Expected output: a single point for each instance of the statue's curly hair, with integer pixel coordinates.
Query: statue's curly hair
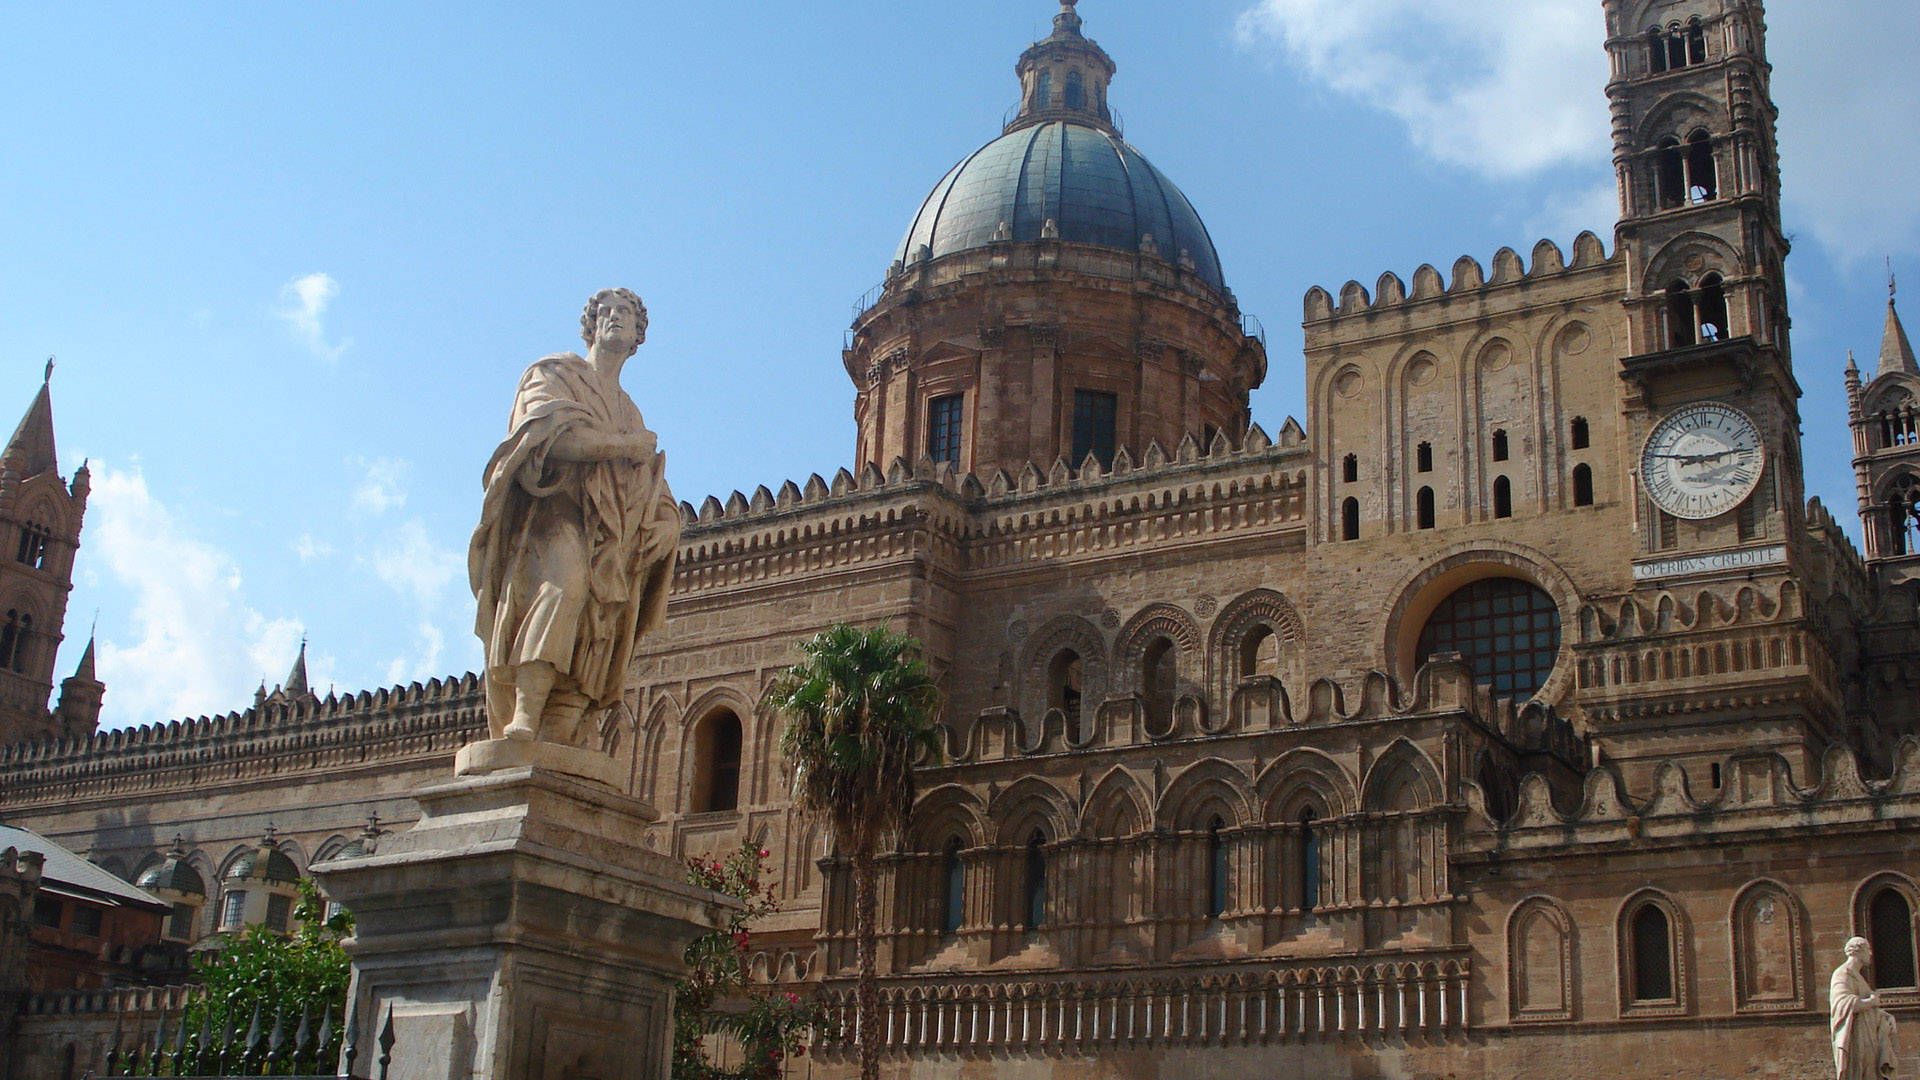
(590, 317)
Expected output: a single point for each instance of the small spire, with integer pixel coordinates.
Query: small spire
(85, 671)
(31, 448)
(1896, 349)
(297, 678)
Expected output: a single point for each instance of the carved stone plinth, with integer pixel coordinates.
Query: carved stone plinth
(520, 932)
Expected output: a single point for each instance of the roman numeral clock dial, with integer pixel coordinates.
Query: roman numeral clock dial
(1703, 461)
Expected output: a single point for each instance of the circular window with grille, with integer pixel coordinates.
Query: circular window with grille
(1505, 629)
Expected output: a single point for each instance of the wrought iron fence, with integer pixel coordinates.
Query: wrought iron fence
(233, 1045)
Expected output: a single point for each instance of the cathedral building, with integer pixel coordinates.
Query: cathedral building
(1518, 714)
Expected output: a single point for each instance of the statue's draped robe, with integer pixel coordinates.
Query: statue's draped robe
(571, 561)
(1862, 1034)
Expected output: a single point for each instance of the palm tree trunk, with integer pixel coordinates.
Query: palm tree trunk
(867, 999)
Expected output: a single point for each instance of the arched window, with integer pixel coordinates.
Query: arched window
(1036, 883)
(1670, 174)
(1676, 46)
(1696, 42)
(1216, 870)
(717, 757)
(1501, 450)
(1505, 629)
(1064, 677)
(1650, 946)
(33, 545)
(1260, 653)
(1902, 514)
(1583, 485)
(1076, 90)
(1424, 508)
(954, 873)
(1712, 308)
(1502, 497)
(1309, 868)
(1350, 520)
(1423, 456)
(1703, 176)
(1350, 468)
(1890, 929)
(1657, 49)
(944, 428)
(1159, 669)
(1043, 92)
(1582, 433)
(1680, 324)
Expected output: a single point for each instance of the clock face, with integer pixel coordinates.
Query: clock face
(1703, 461)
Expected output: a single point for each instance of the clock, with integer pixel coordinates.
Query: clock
(1703, 461)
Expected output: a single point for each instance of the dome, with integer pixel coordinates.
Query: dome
(265, 862)
(1089, 182)
(174, 875)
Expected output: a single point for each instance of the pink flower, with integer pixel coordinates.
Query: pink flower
(763, 853)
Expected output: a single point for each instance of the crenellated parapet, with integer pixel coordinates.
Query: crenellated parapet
(1757, 797)
(1470, 281)
(999, 519)
(281, 736)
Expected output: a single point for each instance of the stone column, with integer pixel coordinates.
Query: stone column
(19, 881)
(519, 931)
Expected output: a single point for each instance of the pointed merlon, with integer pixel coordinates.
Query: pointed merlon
(1896, 350)
(297, 678)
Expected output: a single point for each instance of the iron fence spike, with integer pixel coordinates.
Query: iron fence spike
(350, 1038)
(277, 1038)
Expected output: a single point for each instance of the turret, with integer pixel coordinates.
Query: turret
(81, 693)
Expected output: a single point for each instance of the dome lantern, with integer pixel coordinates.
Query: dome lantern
(1065, 77)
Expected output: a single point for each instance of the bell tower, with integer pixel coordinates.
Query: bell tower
(40, 518)
(1884, 409)
(1710, 359)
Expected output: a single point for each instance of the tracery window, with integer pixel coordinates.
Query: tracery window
(33, 546)
(717, 759)
(1890, 929)
(1095, 415)
(1903, 517)
(1064, 687)
(1160, 672)
(943, 428)
(1309, 868)
(1677, 46)
(1216, 870)
(1036, 882)
(954, 874)
(1506, 630)
(1650, 949)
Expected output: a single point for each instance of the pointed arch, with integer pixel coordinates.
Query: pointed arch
(1403, 778)
(1301, 777)
(1030, 803)
(948, 812)
(1540, 962)
(1117, 806)
(1769, 962)
(1207, 787)
(1653, 944)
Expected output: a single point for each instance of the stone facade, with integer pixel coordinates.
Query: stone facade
(1415, 741)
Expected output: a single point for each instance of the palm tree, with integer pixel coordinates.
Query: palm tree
(859, 708)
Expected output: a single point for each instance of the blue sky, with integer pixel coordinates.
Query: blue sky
(293, 258)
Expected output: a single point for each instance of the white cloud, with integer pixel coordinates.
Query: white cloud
(303, 305)
(1508, 88)
(198, 647)
(1567, 214)
(410, 563)
(425, 664)
(1848, 89)
(1502, 87)
(311, 548)
(382, 486)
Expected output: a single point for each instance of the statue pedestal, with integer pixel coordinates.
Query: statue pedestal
(519, 932)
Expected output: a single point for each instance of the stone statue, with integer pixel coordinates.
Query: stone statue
(1863, 1033)
(574, 552)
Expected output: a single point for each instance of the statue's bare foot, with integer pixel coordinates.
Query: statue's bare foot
(520, 730)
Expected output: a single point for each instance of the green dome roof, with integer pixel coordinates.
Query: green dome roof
(173, 875)
(1093, 186)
